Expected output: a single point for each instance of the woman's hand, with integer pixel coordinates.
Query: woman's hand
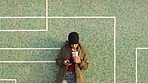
(77, 59)
(67, 62)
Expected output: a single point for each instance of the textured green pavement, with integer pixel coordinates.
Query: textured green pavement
(97, 34)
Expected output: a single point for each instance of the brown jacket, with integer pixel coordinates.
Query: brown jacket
(65, 53)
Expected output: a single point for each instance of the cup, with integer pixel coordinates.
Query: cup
(74, 55)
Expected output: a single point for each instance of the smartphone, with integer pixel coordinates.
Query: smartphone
(68, 63)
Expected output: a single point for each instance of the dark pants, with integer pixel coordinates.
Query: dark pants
(70, 77)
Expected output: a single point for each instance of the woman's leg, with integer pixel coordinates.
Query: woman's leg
(70, 77)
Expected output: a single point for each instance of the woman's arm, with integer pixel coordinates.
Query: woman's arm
(84, 62)
(59, 60)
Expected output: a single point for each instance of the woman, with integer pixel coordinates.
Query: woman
(72, 60)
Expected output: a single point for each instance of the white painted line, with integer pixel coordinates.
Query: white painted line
(23, 17)
(23, 30)
(8, 80)
(137, 61)
(66, 17)
(141, 48)
(115, 50)
(29, 48)
(47, 15)
(27, 61)
(136, 66)
(85, 17)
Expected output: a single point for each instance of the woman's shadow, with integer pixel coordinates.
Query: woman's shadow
(45, 72)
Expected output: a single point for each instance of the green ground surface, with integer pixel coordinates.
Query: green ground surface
(24, 23)
(96, 34)
(142, 66)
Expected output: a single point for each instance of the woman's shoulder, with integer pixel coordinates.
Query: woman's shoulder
(81, 45)
(65, 45)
